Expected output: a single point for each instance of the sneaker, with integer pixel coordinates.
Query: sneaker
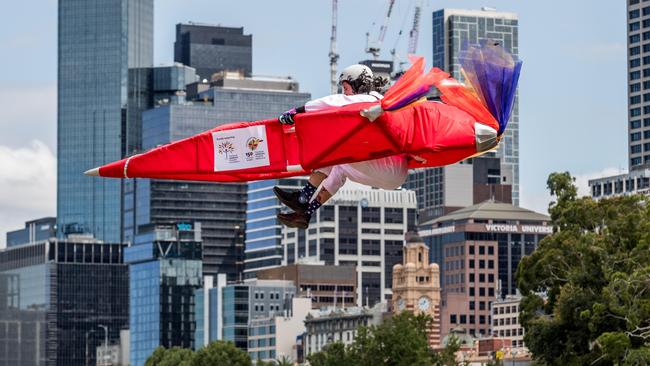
(291, 199)
(295, 219)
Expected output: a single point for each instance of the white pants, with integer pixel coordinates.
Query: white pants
(386, 173)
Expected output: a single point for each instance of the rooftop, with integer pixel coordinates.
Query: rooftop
(491, 210)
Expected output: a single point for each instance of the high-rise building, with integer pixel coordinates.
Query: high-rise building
(34, 231)
(210, 49)
(105, 51)
(165, 270)
(638, 56)
(436, 188)
(360, 227)
(274, 337)
(478, 249)
(219, 207)
(243, 302)
(54, 298)
(637, 180)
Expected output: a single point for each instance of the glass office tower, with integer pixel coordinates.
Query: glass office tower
(165, 272)
(54, 295)
(437, 189)
(104, 52)
(210, 49)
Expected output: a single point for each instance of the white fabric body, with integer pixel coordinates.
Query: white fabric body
(386, 173)
(339, 100)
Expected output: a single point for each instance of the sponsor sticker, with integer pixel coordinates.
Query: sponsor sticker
(240, 148)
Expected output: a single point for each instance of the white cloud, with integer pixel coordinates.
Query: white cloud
(28, 113)
(27, 185)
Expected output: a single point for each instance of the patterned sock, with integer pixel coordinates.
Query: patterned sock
(313, 206)
(306, 193)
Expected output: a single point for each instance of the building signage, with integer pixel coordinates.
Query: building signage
(528, 229)
(437, 231)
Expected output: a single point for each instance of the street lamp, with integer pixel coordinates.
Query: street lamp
(105, 341)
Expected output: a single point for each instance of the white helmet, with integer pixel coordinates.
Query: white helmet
(358, 76)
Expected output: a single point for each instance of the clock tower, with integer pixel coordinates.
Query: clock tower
(416, 285)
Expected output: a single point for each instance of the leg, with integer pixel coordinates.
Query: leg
(299, 200)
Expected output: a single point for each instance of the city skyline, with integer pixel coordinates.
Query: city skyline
(592, 48)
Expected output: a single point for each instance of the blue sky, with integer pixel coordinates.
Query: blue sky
(572, 89)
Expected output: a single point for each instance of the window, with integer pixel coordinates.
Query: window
(471, 249)
(635, 51)
(481, 292)
(635, 149)
(646, 147)
(635, 38)
(481, 250)
(491, 278)
(491, 250)
(635, 161)
(481, 277)
(635, 112)
(471, 277)
(490, 264)
(634, 26)
(646, 134)
(472, 305)
(452, 318)
(646, 10)
(635, 99)
(463, 319)
(646, 36)
(646, 23)
(634, 14)
(491, 292)
(635, 75)
(471, 291)
(481, 263)
(471, 261)
(634, 88)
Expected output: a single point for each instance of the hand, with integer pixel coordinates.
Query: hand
(286, 118)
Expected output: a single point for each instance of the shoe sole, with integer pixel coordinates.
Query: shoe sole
(292, 224)
(289, 204)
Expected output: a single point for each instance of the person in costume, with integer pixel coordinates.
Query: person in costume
(358, 85)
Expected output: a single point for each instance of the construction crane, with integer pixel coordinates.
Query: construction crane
(374, 48)
(415, 30)
(334, 57)
(413, 40)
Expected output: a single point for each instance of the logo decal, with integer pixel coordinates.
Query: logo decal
(225, 147)
(253, 143)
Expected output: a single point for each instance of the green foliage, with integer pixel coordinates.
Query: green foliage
(594, 272)
(216, 353)
(221, 353)
(400, 341)
(174, 356)
(447, 356)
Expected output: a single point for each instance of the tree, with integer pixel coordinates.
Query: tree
(221, 353)
(174, 356)
(587, 287)
(447, 357)
(399, 341)
(216, 353)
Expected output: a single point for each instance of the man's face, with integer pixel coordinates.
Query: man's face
(347, 88)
